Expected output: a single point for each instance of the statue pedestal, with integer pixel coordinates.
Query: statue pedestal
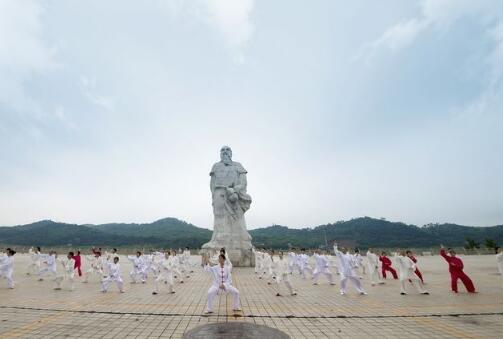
(239, 257)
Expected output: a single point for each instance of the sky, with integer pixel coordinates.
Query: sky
(115, 111)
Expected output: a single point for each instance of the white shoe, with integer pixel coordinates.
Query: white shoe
(342, 293)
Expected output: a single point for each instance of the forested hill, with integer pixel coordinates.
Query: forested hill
(171, 232)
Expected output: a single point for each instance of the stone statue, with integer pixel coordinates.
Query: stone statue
(230, 202)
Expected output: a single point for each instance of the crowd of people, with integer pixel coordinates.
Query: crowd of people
(276, 268)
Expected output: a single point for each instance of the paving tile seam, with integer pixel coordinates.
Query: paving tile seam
(256, 316)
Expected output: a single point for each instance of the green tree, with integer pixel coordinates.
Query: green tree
(471, 244)
(491, 244)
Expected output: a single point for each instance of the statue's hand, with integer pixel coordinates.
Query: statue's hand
(230, 190)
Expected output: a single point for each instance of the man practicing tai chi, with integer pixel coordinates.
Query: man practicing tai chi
(373, 267)
(68, 264)
(407, 268)
(221, 283)
(321, 261)
(347, 270)
(114, 275)
(499, 260)
(413, 258)
(34, 265)
(456, 270)
(166, 275)
(386, 266)
(281, 272)
(7, 267)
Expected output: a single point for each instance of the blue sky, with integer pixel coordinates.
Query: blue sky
(114, 111)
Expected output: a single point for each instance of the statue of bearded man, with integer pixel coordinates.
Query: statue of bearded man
(230, 202)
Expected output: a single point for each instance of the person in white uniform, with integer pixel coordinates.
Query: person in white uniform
(373, 268)
(406, 269)
(166, 275)
(347, 270)
(68, 264)
(114, 275)
(7, 267)
(303, 261)
(281, 272)
(96, 266)
(221, 284)
(138, 270)
(359, 267)
(499, 260)
(322, 267)
(34, 265)
(49, 260)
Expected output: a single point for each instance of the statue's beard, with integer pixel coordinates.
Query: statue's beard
(226, 159)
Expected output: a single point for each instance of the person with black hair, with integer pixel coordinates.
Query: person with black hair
(68, 264)
(114, 275)
(7, 267)
(222, 283)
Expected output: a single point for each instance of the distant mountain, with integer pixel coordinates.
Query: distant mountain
(369, 232)
(171, 232)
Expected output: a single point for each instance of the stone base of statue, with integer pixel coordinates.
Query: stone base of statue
(239, 257)
(238, 247)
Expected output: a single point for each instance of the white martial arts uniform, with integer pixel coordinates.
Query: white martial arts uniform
(6, 270)
(303, 262)
(96, 267)
(499, 261)
(373, 268)
(258, 257)
(114, 274)
(34, 266)
(138, 270)
(281, 272)
(175, 264)
(50, 265)
(68, 273)
(358, 260)
(166, 275)
(221, 276)
(346, 269)
(406, 268)
(322, 268)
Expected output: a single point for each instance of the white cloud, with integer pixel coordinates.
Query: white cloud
(88, 87)
(231, 19)
(23, 53)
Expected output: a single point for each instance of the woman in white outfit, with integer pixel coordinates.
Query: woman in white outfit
(406, 269)
(373, 268)
(281, 271)
(166, 275)
(138, 271)
(50, 268)
(347, 270)
(68, 264)
(34, 265)
(221, 275)
(7, 267)
(499, 260)
(321, 268)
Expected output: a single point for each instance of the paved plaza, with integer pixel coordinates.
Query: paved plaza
(34, 310)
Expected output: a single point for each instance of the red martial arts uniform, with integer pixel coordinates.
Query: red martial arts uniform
(417, 271)
(78, 264)
(386, 266)
(456, 270)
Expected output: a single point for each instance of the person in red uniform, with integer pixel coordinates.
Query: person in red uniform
(456, 270)
(417, 271)
(78, 263)
(386, 266)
